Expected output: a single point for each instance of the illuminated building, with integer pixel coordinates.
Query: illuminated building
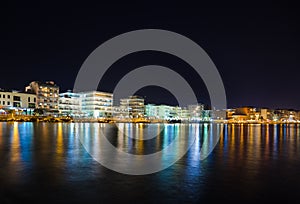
(96, 104)
(151, 111)
(134, 106)
(47, 95)
(229, 113)
(185, 114)
(162, 112)
(195, 112)
(264, 114)
(284, 115)
(70, 104)
(243, 114)
(165, 112)
(24, 103)
(120, 112)
(218, 114)
(206, 115)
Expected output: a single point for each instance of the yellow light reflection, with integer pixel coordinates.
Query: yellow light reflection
(231, 141)
(140, 139)
(267, 135)
(15, 145)
(59, 140)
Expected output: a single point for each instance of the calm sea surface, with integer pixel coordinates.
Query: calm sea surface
(49, 163)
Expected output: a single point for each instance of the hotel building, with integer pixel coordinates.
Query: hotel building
(69, 104)
(195, 112)
(47, 95)
(134, 105)
(162, 112)
(96, 104)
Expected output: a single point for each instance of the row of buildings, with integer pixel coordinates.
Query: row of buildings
(40, 98)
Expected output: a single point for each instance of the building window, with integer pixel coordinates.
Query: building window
(8, 103)
(31, 105)
(17, 104)
(34, 100)
(17, 98)
(3, 96)
(28, 99)
(8, 96)
(3, 102)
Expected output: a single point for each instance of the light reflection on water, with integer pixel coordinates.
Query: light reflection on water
(46, 161)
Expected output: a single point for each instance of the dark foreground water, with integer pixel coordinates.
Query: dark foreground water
(47, 163)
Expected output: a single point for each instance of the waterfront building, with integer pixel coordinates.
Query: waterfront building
(166, 112)
(134, 106)
(151, 111)
(97, 104)
(185, 114)
(243, 114)
(195, 112)
(206, 115)
(229, 113)
(298, 115)
(285, 115)
(22, 103)
(69, 104)
(120, 112)
(218, 114)
(263, 113)
(162, 112)
(47, 95)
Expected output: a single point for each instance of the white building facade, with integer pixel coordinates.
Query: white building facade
(162, 112)
(134, 106)
(19, 101)
(69, 104)
(96, 104)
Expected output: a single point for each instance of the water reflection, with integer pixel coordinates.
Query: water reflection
(15, 144)
(59, 140)
(248, 159)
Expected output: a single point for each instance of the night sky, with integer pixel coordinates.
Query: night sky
(256, 50)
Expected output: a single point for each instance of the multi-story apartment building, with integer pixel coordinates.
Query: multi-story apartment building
(162, 112)
(151, 111)
(47, 95)
(96, 104)
(120, 112)
(134, 105)
(218, 114)
(185, 114)
(70, 104)
(195, 112)
(23, 102)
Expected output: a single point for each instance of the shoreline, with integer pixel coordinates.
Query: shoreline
(45, 119)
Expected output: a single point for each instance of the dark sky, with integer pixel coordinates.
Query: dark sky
(256, 50)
